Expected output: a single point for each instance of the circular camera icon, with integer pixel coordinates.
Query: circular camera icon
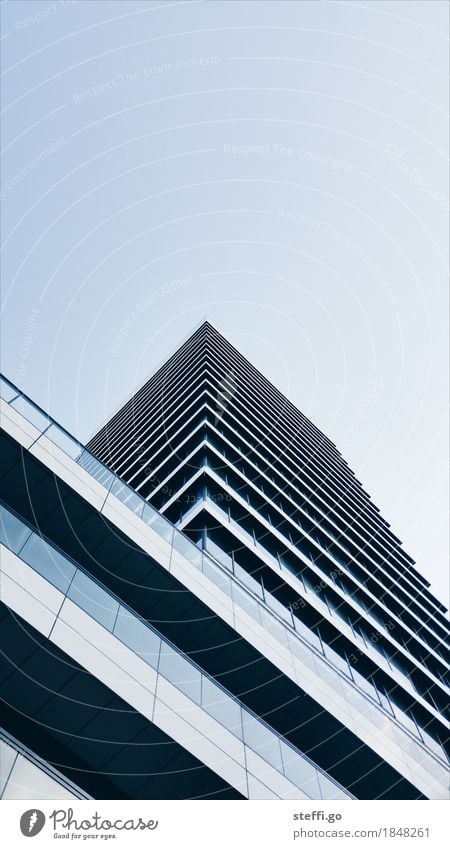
(32, 822)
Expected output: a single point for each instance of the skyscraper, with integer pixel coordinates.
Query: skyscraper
(238, 618)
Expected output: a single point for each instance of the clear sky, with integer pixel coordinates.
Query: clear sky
(279, 167)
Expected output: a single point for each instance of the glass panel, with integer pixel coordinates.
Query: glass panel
(13, 532)
(222, 707)
(248, 580)
(96, 469)
(330, 675)
(300, 772)
(215, 574)
(48, 562)
(186, 547)
(86, 460)
(364, 684)
(407, 721)
(308, 634)
(384, 701)
(180, 672)
(7, 758)
(433, 744)
(6, 391)
(273, 627)
(359, 702)
(246, 602)
(135, 634)
(219, 554)
(336, 660)
(102, 475)
(64, 441)
(31, 413)
(93, 599)
(127, 496)
(304, 654)
(160, 525)
(328, 788)
(262, 740)
(438, 771)
(28, 781)
(279, 608)
(410, 746)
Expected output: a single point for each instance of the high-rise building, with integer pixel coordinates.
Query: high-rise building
(205, 603)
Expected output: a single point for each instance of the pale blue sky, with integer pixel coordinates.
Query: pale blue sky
(279, 167)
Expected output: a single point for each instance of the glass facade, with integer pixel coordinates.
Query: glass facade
(272, 501)
(158, 653)
(253, 514)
